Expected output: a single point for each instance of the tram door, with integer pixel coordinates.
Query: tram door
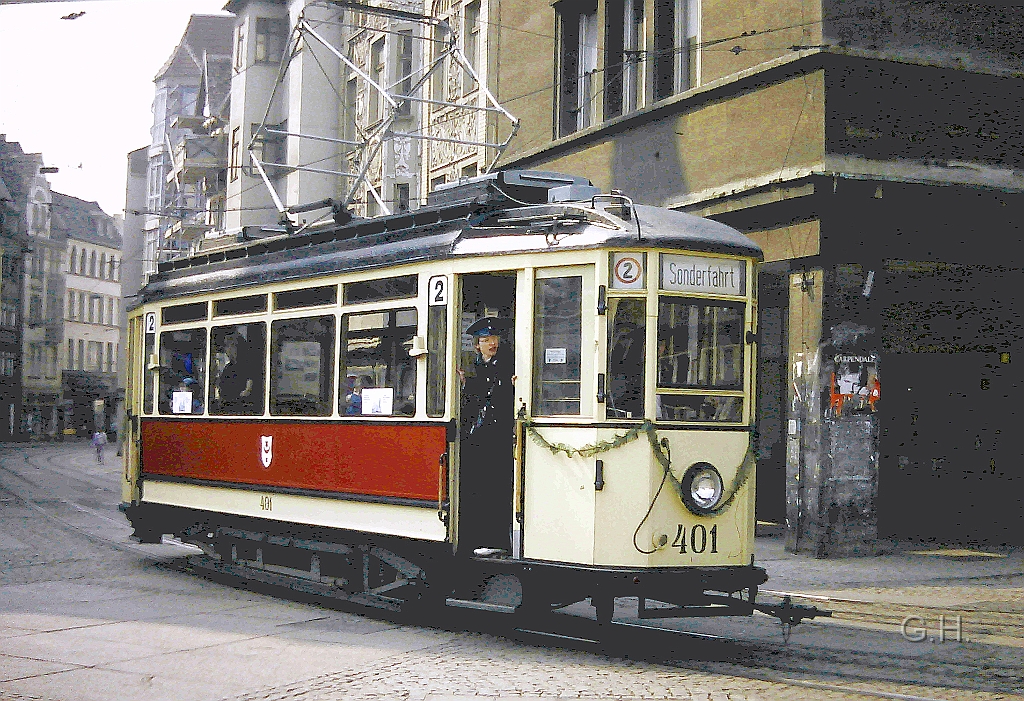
(485, 466)
(129, 438)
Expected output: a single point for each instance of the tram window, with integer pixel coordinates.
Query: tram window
(238, 366)
(302, 366)
(626, 341)
(381, 289)
(184, 312)
(556, 346)
(700, 344)
(696, 407)
(182, 371)
(380, 375)
(306, 297)
(253, 304)
(437, 351)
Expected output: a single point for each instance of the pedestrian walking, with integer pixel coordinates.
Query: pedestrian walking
(99, 441)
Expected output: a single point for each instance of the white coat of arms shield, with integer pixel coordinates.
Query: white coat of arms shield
(266, 450)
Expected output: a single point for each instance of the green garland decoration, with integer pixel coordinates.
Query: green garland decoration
(660, 454)
(587, 451)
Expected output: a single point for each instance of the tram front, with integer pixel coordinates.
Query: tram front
(635, 460)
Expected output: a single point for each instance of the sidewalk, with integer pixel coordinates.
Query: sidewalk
(919, 590)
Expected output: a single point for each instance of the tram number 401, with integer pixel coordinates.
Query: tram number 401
(697, 539)
(266, 504)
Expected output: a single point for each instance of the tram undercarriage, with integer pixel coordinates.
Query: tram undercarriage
(405, 575)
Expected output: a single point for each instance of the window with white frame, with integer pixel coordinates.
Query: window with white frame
(271, 35)
(439, 76)
(239, 58)
(374, 96)
(402, 198)
(403, 70)
(349, 128)
(271, 147)
(624, 44)
(472, 44)
(236, 147)
(675, 31)
(577, 65)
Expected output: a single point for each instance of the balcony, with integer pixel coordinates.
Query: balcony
(186, 230)
(198, 157)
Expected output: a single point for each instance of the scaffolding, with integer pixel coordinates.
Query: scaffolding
(441, 63)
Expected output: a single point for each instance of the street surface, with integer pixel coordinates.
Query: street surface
(87, 614)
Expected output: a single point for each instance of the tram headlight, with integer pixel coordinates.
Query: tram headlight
(702, 488)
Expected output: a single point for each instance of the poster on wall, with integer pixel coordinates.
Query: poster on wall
(855, 385)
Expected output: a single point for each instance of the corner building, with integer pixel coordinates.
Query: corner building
(874, 151)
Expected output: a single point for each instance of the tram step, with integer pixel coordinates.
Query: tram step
(479, 605)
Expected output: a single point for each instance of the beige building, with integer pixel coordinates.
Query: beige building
(40, 310)
(869, 148)
(92, 314)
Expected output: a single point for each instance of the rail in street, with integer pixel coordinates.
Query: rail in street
(87, 614)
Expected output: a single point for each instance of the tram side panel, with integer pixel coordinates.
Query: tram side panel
(628, 522)
(558, 497)
(378, 478)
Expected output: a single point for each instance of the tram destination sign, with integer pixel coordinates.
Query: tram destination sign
(720, 276)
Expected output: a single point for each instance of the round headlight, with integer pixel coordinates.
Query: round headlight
(702, 488)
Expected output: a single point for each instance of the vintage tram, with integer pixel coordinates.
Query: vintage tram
(293, 404)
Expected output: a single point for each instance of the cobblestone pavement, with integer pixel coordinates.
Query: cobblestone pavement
(481, 666)
(86, 615)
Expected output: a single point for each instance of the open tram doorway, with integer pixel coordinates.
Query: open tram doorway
(485, 414)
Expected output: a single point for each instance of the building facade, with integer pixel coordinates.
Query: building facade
(93, 310)
(872, 149)
(320, 121)
(188, 89)
(16, 171)
(366, 106)
(41, 311)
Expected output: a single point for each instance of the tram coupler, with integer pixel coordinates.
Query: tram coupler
(791, 614)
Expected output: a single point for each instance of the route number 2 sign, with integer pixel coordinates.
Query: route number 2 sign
(627, 271)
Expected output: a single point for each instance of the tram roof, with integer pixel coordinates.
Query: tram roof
(440, 233)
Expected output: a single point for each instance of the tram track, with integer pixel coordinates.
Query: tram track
(28, 492)
(902, 677)
(816, 668)
(847, 667)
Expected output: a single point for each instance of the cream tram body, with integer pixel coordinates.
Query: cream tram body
(591, 487)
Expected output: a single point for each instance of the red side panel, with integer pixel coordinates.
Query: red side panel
(390, 460)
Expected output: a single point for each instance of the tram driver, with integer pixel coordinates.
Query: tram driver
(485, 448)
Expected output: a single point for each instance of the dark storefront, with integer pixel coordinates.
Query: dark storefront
(918, 290)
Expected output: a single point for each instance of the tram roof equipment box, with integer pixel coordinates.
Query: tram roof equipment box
(521, 186)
